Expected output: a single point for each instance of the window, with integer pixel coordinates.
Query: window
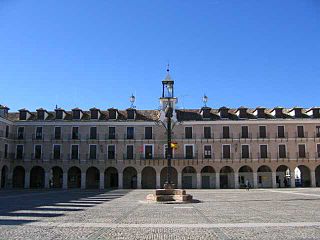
(56, 151)
(226, 151)
(148, 132)
(111, 151)
(94, 114)
(188, 151)
(281, 132)
(130, 132)
(245, 151)
(112, 114)
(188, 132)
(37, 152)
(282, 151)
(93, 133)
(302, 151)
(59, 114)
(74, 152)
(262, 131)
(225, 132)
(112, 132)
(39, 133)
(264, 151)
(76, 114)
(41, 115)
(300, 131)
(207, 132)
(318, 150)
(6, 151)
(129, 151)
(20, 132)
(7, 131)
(317, 131)
(23, 115)
(130, 114)
(19, 153)
(92, 151)
(207, 151)
(57, 133)
(148, 151)
(244, 132)
(75, 132)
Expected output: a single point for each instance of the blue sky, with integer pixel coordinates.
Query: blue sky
(80, 53)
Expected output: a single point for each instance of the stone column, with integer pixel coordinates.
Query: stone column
(179, 180)
(65, 180)
(313, 178)
(139, 180)
(101, 182)
(120, 180)
(255, 180)
(46, 179)
(199, 181)
(236, 180)
(217, 180)
(27, 179)
(292, 179)
(274, 179)
(158, 181)
(83, 180)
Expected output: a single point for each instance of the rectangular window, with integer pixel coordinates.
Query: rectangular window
(129, 151)
(189, 151)
(94, 114)
(111, 151)
(6, 151)
(225, 132)
(300, 131)
(148, 151)
(56, 151)
(37, 152)
(130, 114)
(20, 132)
(39, 133)
(244, 132)
(93, 132)
(263, 151)
(148, 132)
(226, 151)
(317, 131)
(207, 132)
(282, 151)
(75, 132)
(302, 151)
(112, 132)
(19, 153)
(207, 151)
(74, 152)
(93, 151)
(245, 151)
(281, 132)
(130, 132)
(262, 131)
(57, 133)
(7, 131)
(318, 150)
(188, 132)
(59, 114)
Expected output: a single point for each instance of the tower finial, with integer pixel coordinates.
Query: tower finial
(168, 67)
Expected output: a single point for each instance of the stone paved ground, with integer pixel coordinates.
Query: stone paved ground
(122, 214)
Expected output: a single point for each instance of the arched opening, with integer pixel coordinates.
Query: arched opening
(245, 176)
(163, 176)
(148, 178)
(302, 176)
(4, 176)
(92, 178)
(130, 178)
(189, 177)
(74, 177)
(226, 177)
(37, 177)
(18, 177)
(317, 176)
(264, 177)
(283, 176)
(111, 178)
(207, 177)
(57, 177)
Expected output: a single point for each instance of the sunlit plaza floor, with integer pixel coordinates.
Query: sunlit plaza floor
(124, 214)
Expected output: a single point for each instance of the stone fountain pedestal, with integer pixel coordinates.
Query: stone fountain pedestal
(170, 195)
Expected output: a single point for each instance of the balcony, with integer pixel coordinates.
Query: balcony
(263, 155)
(111, 136)
(74, 137)
(56, 156)
(57, 137)
(301, 135)
(37, 137)
(246, 156)
(302, 155)
(226, 156)
(285, 135)
(263, 136)
(38, 157)
(283, 156)
(245, 136)
(93, 137)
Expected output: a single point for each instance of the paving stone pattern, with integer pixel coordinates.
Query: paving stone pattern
(124, 214)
